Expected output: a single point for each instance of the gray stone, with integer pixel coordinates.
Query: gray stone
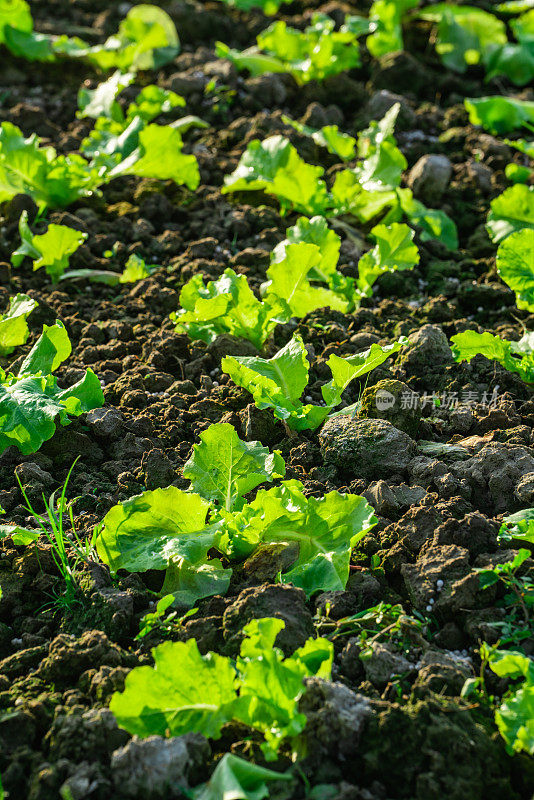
(428, 350)
(385, 399)
(368, 448)
(429, 178)
(105, 423)
(156, 767)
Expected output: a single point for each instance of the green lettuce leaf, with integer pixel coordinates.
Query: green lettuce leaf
(186, 692)
(515, 716)
(277, 383)
(223, 468)
(15, 14)
(275, 167)
(31, 401)
(433, 223)
(159, 156)
(13, 324)
(227, 305)
(518, 526)
(146, 39)
(50, 250)
(382, 162)
(289, 282)
(515, 265)
(516, 61)
(394, 250)
(385, 17)
(316, 231)
(51, 180)
(100, 102)
(345, 370)
(270, 686)
(20, 536)
(152, 101)
(514, 356)
(499, 114)
(511, 211)
(151, 529)
(312, 54)
(234, 777)
(329, 136)
(325, 531)
(165, 529)
(182, 693)
(465, 34)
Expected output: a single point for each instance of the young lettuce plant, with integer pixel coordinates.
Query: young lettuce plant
(518, 527)
(385, 18)
(511, 211)
(516, 357)
(31, 401)
(515, 265)
(186, 692)
(369, 191)
(134, 270)
(499, 114)
(329, 136)
(310, 55)
(173, 530)
(514, 717)
(146, 39)
(13, 324)
(50, 250)
(277, 383)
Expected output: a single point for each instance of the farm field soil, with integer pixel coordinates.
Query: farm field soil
(439, 511)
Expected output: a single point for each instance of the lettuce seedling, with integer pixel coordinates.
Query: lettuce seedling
(310, 55)
(13, 324)
(135, 270)
(385, 18)
(323, 531)
(275, 167)
(31, 401)
(186, 692)
(51, 180)
(515, 716)
(465, 34)
(181, 532)
(518, 527)
(166, 529)
(227, 305)
(50, 250)
(146, 39)
(516, 357)
(515, 266)
(369, 191)
(500, 114)
(329, 136)
(277, 383)
(511, 211)
(223, 468)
